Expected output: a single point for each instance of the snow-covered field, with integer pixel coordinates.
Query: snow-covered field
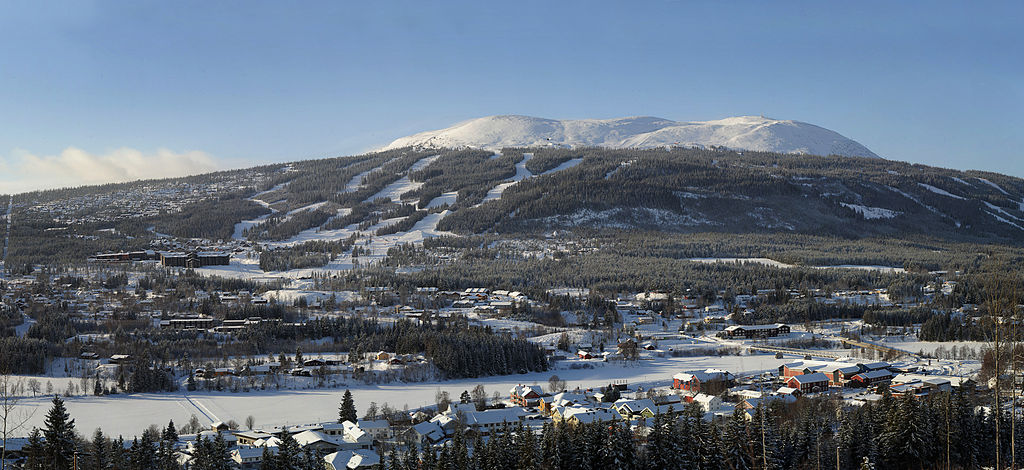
(130, 414)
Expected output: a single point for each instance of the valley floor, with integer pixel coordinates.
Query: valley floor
(130, 414)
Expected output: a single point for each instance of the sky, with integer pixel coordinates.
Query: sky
(99, 91)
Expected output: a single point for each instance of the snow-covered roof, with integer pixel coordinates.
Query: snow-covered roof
(703, 376)
(810, 378)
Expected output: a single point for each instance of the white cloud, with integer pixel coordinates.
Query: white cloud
(25, 171)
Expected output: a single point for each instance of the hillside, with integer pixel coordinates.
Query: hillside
(340, 213)
(741, 133)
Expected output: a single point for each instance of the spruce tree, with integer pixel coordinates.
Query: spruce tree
(170, 433)
(59, 434)
(289, 454)
(268, 460)
(347, 410)
(165, 459)
(429, 457)
(98, 450)
(35, 452)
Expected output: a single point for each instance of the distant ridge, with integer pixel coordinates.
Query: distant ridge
(741, 133)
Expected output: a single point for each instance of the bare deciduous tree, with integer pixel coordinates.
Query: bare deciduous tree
(12, 419)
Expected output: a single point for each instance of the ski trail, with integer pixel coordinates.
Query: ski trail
(202, 409)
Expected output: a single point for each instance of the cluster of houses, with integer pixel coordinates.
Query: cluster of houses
(148, 199)
(344, 445)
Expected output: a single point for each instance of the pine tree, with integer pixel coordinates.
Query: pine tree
(144, 452)
(35, 452)
(904, 438)
(288, 452)
(97, 451)
(118, 456)
(311, 460)
(429, 457)
(735, 441)
(170, 433)
(165, 459)
(220, 455)
(59, 434)
(268, 460)
(347, 410)
(526, 442)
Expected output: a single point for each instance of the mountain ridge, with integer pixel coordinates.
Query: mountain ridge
(756, 133)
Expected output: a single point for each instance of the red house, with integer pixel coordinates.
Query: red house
(816, 382)
(526, 395)
(695, 380)
(867, 379)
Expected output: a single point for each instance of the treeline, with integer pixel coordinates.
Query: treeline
(470, 173)
(36, 240)
(212, 219)
(946, 327)
(403, 225)
(304, 255)
(26, 355)
(548, 159)
(457, 349)
(606, 272)
(281, 227)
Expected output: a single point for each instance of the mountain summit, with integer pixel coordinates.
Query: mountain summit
(743, 132)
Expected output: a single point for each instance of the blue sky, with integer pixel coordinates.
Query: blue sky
(190, 86)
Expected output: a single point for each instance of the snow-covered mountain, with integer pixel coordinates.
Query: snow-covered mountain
(743, 132)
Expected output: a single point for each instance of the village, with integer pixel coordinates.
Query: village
(618, 372)
(714, 394)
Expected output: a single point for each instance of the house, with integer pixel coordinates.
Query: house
(526, 395)
(195, 259)
(247, 438)
(488, 421)
(840, 374)
(816, 382)
(583, 354)
(709, 403)
(427, 432)
(714, 380)
(351, 459)
(755, 331)
(250, 457)
(788, 391)
(548, 404)
(120, 359)
(316, 441)
(584, 415)
(666, 409)
(869, 378)
(630, 409)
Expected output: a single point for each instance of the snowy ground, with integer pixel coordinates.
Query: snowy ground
(131, 414)
(779, 264)
(521, 174)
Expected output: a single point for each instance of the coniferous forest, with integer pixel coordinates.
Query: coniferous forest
(942, 430)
